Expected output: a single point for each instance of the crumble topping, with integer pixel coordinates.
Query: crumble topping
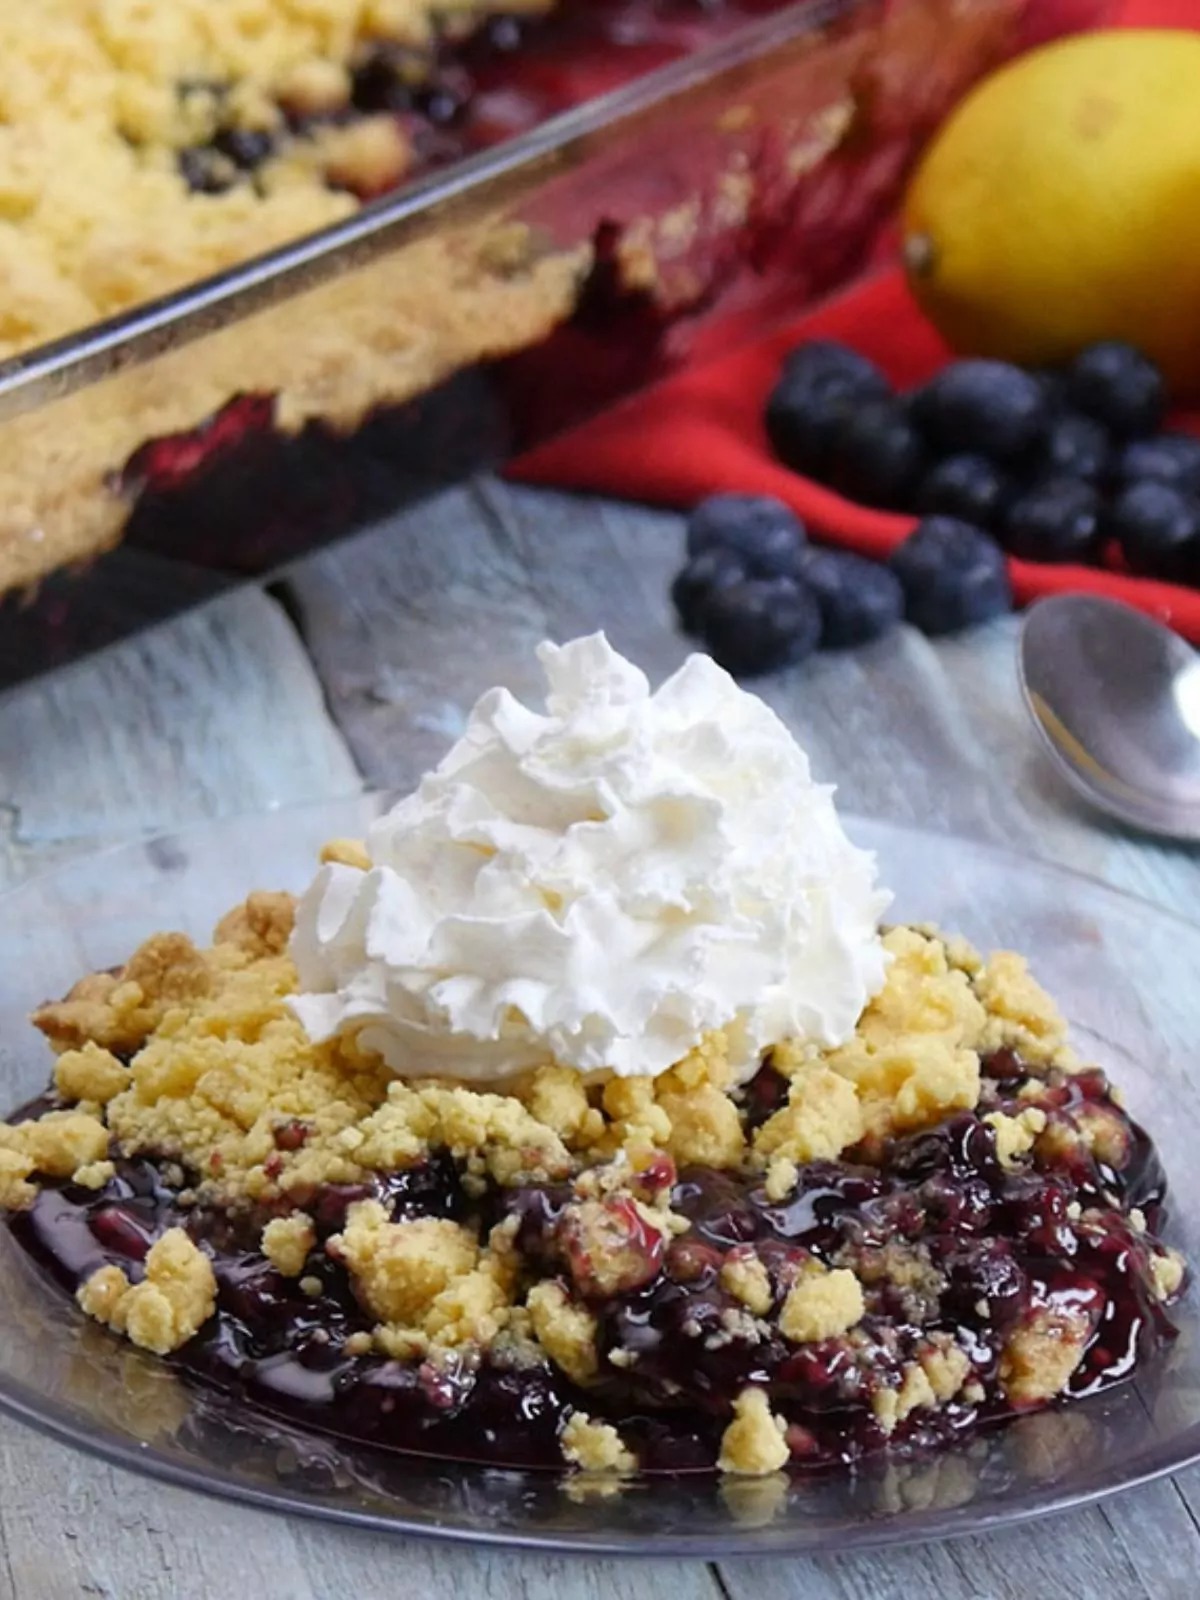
(595, 1446)
(1016, 1136)
(754, 1442)
(565, 1330)
(57, 1144)
(115, 121)
(175, 1298)
(90, 1074)
(821, 1304)
(822, 1118)
(1041, 1355)
(745, 1277)
(400, 1268)
(577, 1210)
(287, 1242)
(1167, 1272)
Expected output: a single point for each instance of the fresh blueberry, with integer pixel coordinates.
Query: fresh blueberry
(858, 599)
(702, 577)
(760, 531)
(1057, 519)
(952, 574)
(817, 357)
(879, 456)
(1117, 385)
(1163, 458)
(761, 624)
(1158, 529)
(987, 408)
(1075, 446)
(1053, 383)
(969, 487)
(808, 408)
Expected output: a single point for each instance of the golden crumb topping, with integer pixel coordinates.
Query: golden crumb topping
(754, 1442)
(745, 1277)
(1040, 1355)
(565, 1330)
(1167, 1270)
(399, 1268)
(1020, 1014)
(595, 1446)
(823, 1117)
(287, 1243)
(91, 1073)
(914, 1057)
(821, 1304)
(177, 1295)
(57, 1144)
(1016, 1136)
(98, 101)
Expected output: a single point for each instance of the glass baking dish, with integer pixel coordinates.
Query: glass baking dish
(439, 329)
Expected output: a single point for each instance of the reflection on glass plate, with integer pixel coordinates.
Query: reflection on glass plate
(1121, 970)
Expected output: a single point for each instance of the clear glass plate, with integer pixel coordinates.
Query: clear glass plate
(1123, 971)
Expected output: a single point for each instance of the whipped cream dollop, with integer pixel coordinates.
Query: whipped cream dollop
(599, 885)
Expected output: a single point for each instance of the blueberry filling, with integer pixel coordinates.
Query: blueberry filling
(948, 1241)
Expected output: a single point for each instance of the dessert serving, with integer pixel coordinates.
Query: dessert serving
(586, 1115)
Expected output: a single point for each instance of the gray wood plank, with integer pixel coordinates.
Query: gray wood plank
(216, 712)
(443, 1572)
(409, 622)
(1070, 1558)
(72, 1526)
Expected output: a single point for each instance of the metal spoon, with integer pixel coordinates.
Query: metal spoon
(1115, 697)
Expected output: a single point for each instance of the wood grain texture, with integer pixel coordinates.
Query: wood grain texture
(220, 710)
(216, 712)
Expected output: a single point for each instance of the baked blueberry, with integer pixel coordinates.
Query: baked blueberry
(205, 170)
(761, 624)
(765, 536)
(1158, 529)
(1163, 458)
(1119, 386)
(700, 578)
(988, 408)
(1057, 519)
(969, 487)
(952, 574)
(1075, 446)
(858, 599)
(247, 148)
(810, 405)
(879, 455)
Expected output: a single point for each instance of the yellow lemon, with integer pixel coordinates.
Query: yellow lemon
(1060, 203)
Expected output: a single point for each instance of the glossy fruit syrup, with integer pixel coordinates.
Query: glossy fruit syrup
(994, 1246)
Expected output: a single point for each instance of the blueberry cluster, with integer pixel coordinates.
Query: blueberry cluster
(1055, 465)
(760, 596)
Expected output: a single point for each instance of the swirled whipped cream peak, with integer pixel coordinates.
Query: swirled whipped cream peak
(598, 884)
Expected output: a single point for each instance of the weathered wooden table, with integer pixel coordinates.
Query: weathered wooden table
(357, 666)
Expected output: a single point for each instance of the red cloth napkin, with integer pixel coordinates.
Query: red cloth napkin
(700, 431)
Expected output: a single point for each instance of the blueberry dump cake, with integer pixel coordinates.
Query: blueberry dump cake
(586, 1114)
(145, 147)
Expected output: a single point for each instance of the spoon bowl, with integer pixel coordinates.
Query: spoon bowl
(1115, 697)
